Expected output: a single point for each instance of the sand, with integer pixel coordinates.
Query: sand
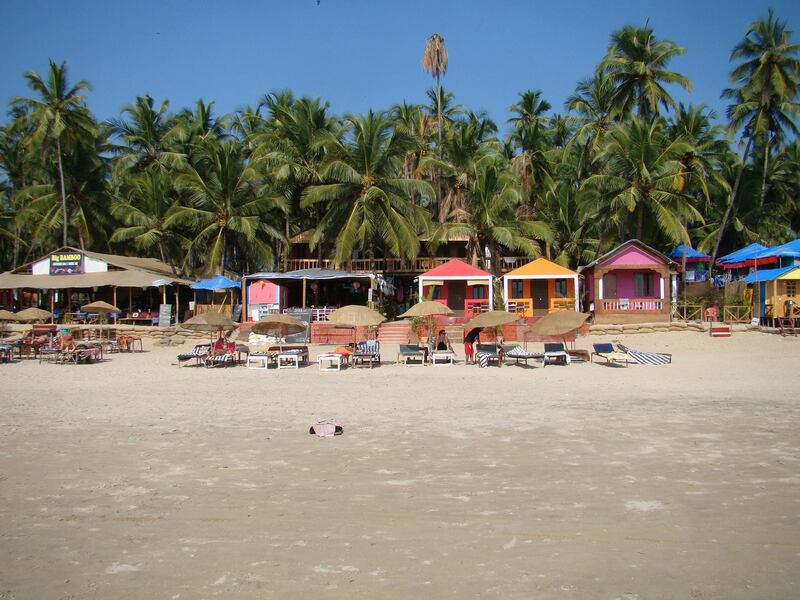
(136, 479)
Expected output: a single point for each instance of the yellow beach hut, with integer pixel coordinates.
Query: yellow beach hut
(540, 287)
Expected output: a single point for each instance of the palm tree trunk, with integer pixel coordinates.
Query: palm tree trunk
(63, 193)
(639, 222)
(439, 111)
(731, 202)
(764, 173)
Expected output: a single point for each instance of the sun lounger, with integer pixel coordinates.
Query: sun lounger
(335, 360)
(518, 353)
(610, 355)
(199, 352)
(555, 352)
(410, 352)
(368, 351)
(486, 353)
(301, 350)
(647, 358)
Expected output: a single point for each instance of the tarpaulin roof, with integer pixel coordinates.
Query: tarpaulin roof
(219, 282)
(692, 255)
(788, 249)
(308, 274)
(768, 274)
(455, 268)
(743, 254)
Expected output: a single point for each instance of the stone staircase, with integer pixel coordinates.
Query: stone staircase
(396, 332)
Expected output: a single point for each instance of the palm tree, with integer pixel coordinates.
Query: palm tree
(491, 217)
(765, 100)
(641, 175)
(637, 63)
(59, 116)
(434, 61)
(229, 213)
(593, 103)
(366, 200)
(530, 137)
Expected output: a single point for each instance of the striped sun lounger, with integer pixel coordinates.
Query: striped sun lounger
(646, 358)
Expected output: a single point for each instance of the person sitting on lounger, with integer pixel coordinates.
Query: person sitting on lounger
(442, 343)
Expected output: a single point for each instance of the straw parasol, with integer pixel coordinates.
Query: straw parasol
(7, 315)
(100, 307)
(492, 318)
(282, 324)
(356, 315)
(428, 308)
(210, 321)
(34, 314)
(559, 323)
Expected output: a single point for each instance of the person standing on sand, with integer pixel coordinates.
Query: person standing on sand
(469, 340)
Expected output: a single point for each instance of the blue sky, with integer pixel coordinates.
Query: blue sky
(358, 54)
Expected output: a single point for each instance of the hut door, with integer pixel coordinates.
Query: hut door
(456, 293)
(539, 293)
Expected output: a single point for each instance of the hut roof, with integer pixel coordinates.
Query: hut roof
(542, 266)
(456, 268)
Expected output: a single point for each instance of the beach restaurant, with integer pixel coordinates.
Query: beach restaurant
(630, 284)
(465, 289)
(540, 287)
(65, 279)
(697, 263)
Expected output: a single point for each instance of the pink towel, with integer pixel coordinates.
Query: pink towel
(326, 428)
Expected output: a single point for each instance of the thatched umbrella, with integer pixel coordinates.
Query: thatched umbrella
(559, 323)
(428, 308)
(282, 324)
(492, 318)
(213, 322)
(100, 307)
(34, 314)
(5, 316)
(356, 316)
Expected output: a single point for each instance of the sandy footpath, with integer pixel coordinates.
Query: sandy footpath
(136, 479)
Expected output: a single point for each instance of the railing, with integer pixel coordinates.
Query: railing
(689, 312)
(562, 304)
(390, 265)
(520, 306)
(736, 314)
(475, 306)
(631, 304)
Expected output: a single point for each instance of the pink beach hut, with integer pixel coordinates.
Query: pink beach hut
(630, 284)
(465, 289)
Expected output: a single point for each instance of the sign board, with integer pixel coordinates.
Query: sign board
(304, 336)
(66, 263)
(164, 315)
(624, 304)
(236, 313)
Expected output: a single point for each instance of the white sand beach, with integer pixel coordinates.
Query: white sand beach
(136, 479)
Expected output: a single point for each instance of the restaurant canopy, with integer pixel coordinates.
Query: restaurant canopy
(73, 268)
(692, 255)
(740, 258)
(308, 275)
(787, 250)
(220, 282)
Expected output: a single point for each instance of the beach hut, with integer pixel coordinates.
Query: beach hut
(775, 294)
(744, 257)
(462, 287)
(540, 287)
(697, 263)
(630, 284)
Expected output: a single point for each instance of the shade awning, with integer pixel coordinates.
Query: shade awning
(12, 281)
(220, 282)
(477, 282)
(432, 282)
(771, 274)
(308, 275)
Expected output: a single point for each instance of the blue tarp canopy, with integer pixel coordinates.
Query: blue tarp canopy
(691, 254)
(788, 249)
(746, 253)
(767, 274)
(215, 283)
(309, 275)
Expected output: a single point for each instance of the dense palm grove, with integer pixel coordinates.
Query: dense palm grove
(212, 192)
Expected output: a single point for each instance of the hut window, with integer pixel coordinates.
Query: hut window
(516, 289)
(791, 289)
(561, 288)
(643, 285)
(436, 292)
(478, 292)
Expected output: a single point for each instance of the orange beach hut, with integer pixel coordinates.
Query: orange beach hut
(540, 287)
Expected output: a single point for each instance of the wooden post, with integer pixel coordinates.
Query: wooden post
(304, 292)
(52, 306)
(163, 294)
(114, 300)
(177, 304)
(130, 301)
(244, 300)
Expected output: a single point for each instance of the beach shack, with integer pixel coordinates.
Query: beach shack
(775, 292)
(630, 284)
(540, 287)
(467, 290)
(697, 263)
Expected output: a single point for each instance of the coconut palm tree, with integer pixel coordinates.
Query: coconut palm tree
(765, 97)
(637, 63)
(367, 201)
(59, 119)
(640, 177)
(530, 135)
(434, 61)
(230, 213)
